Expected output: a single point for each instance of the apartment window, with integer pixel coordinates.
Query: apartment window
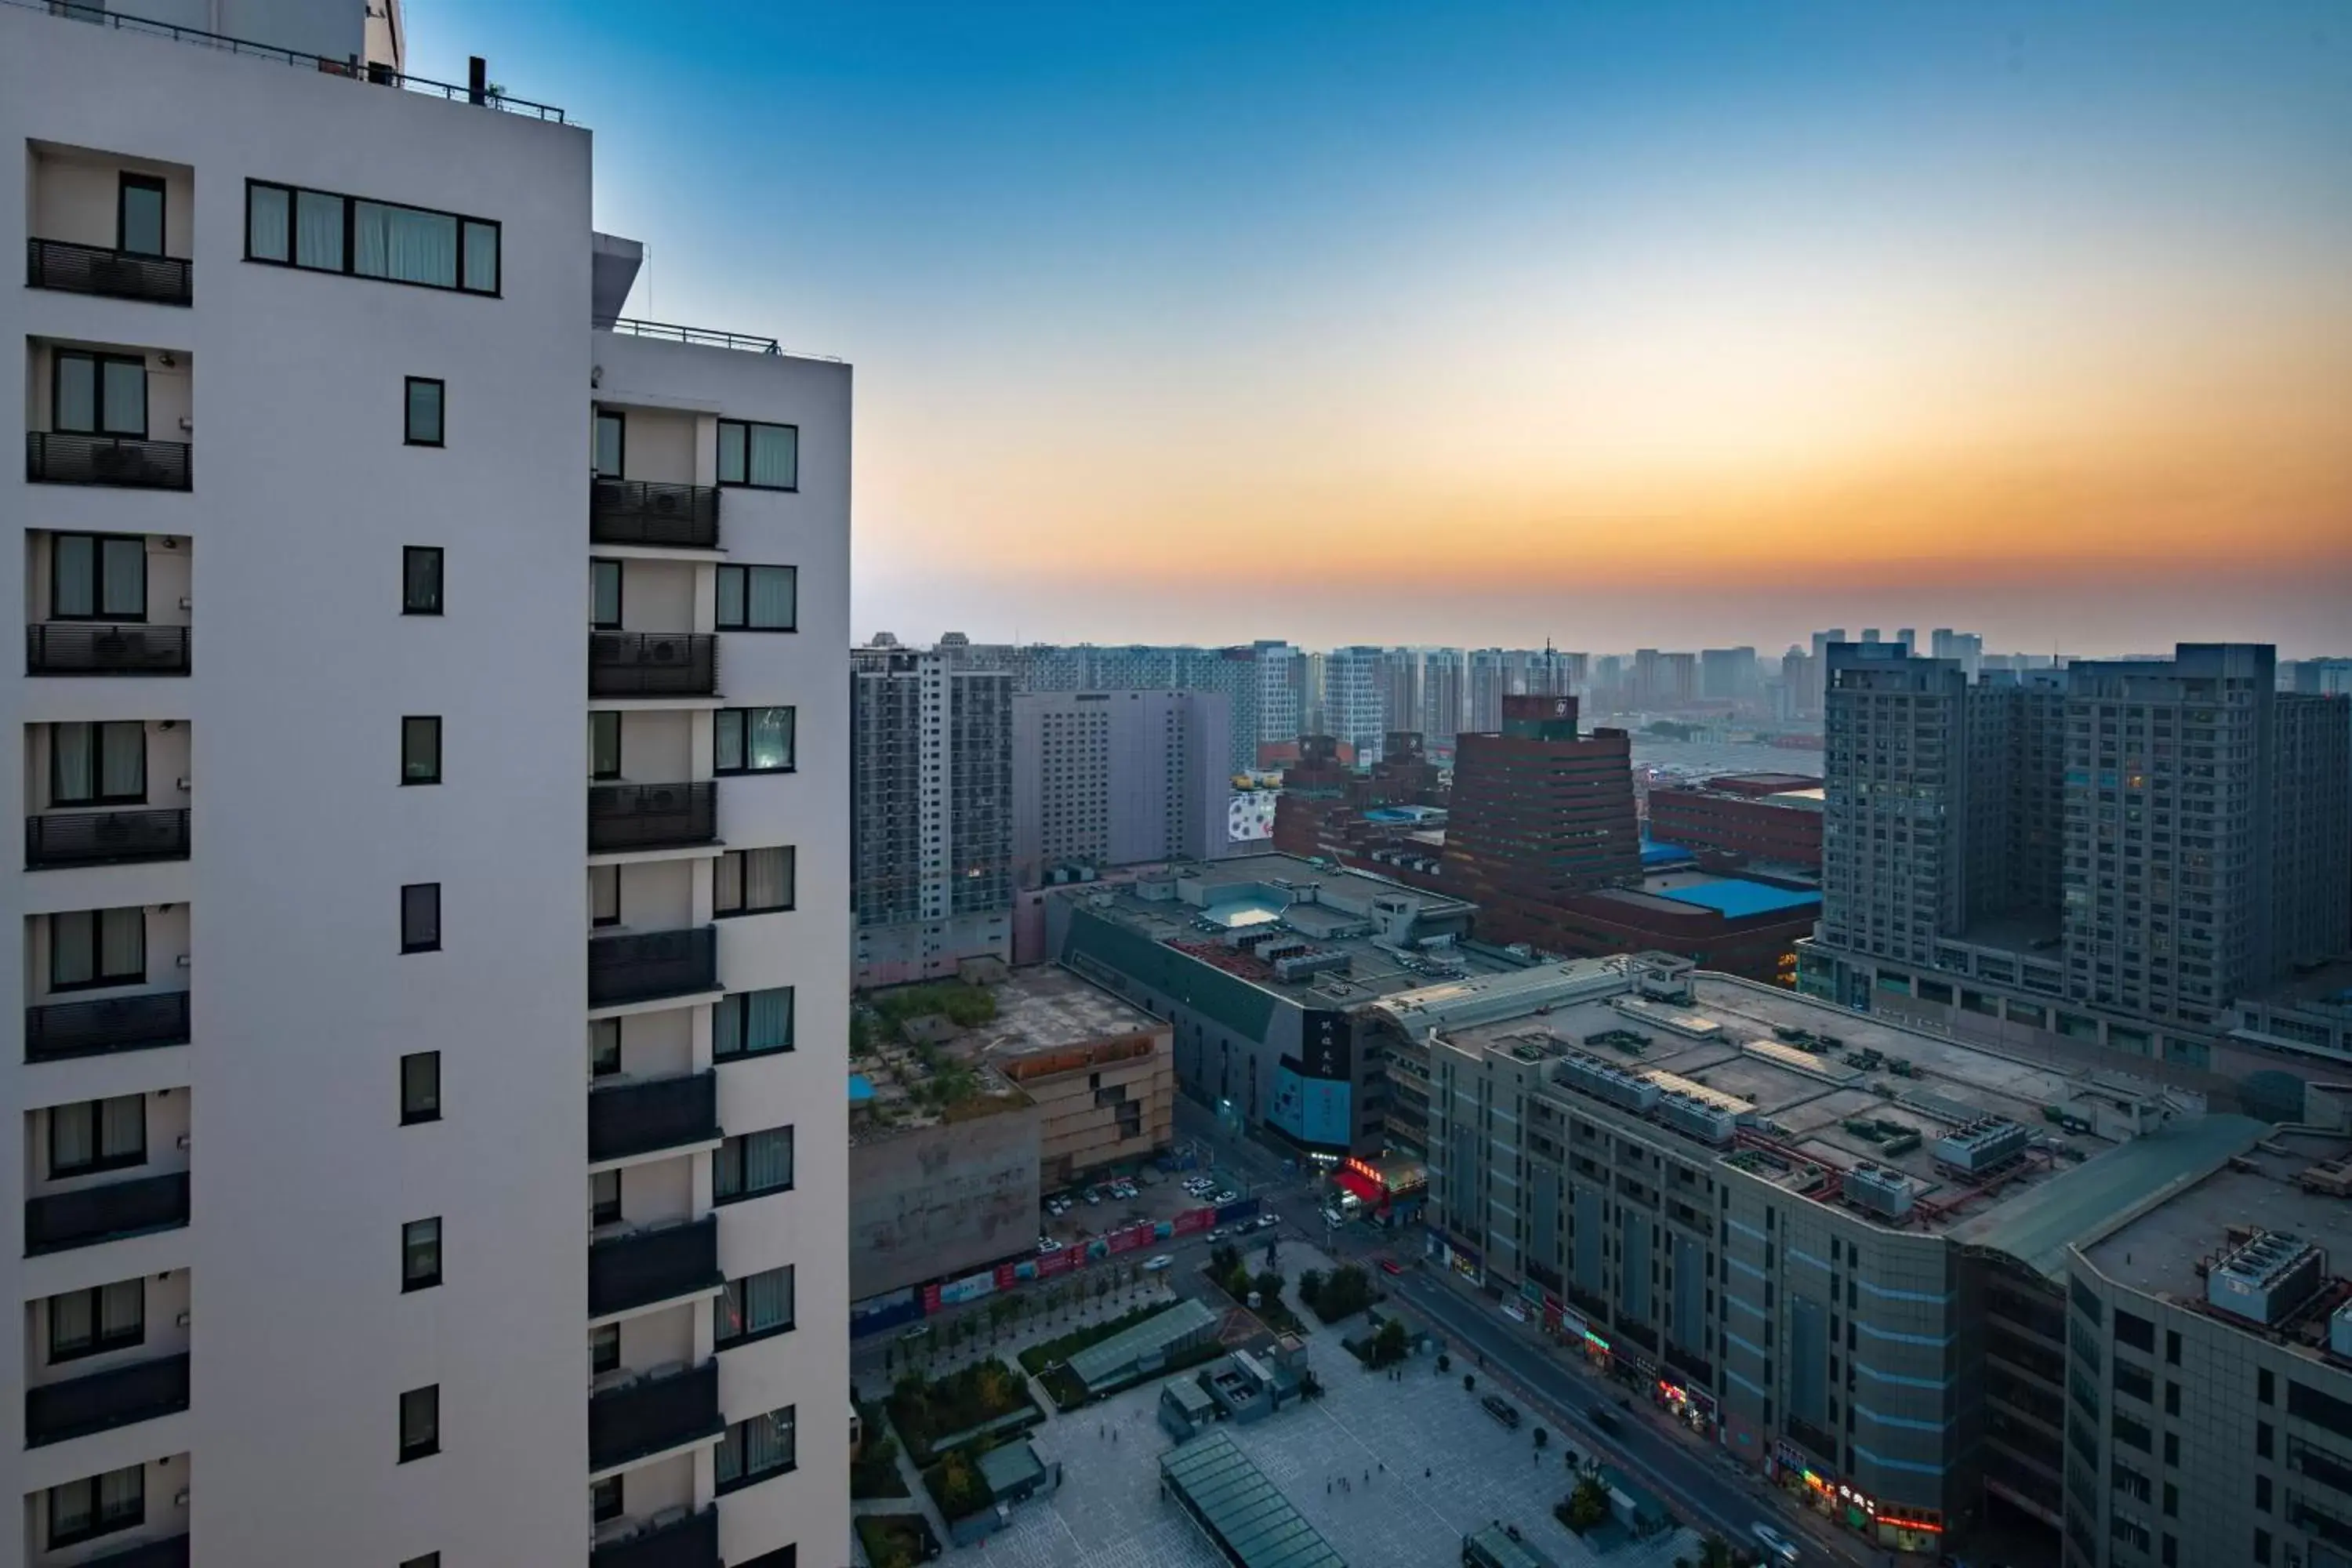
(754, 881)
(98, 577)
(420, 917)
(2263, 1493)
(420, 749)
(420, 580)
(98, 394)
(420, 1087)
(139, 216)
(420, 1254)
(603, 895)
(98, 764)
(751, 1024)
(2265, 1386)
(94, 1135)
(2262, 1546)
(759, 598)
(753, 740)
(420, 1422)
(430, 1560)
(755, 1449)
(2172, 1347)
(2263, 1436)
(98, 1505)
(93, 1322)
(612, 444)
(753, 1165)
(603, 745)
(422, 405)
(604, 595)
(762, 457)
(604, 1198)
(754, 1307)
(319, 231)
(90, 948)
(603, 1350)
(604, 1047)
(604, 1500)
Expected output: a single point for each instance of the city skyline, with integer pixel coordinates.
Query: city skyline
(1478, 328)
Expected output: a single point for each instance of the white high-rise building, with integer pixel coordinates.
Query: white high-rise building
(428, 1089)
(1353, 692)
(1118, 778)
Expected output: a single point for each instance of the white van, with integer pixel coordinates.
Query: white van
(1777, 1548)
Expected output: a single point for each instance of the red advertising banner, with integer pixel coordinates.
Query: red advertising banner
(1129, 1239)
(1192, 1220)
(1004, 1276)
(1052, 1263)
(930, 1298)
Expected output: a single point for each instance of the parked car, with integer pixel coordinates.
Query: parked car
(1154, 1265)
(1603, 1418)
(1228, 1196)
(1048, 1243)
(1502, 1410)
(1094, 1194)
(1391, 1266)
(1265, 1221)
(1219, 1234)
(1777, 1548)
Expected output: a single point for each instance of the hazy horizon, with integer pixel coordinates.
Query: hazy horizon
(1659, 325)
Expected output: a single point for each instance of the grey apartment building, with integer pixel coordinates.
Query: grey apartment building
(1118, 778)
(2142, 856)
(931, 814)
(1838, 1246)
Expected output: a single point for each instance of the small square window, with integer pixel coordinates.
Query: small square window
(425, 411)
(603, 1350)
(420, 1422)
(420, 580)
(420, 1087)
(604, 1047)
(604, 1500)
(420, 1254)
(420, 749)
(604, 1198)
(420, 917)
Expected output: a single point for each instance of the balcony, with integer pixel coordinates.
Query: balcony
(639, 511)
(648, 1117)
(648, 967)
(104, 839)
(56, 457)
(170, 1552)
(674, 1538)
(102, 1401)
(652, 664)
(651, 816)
(657, 1264)
(95, 270)
(68, 1029)
(88, 1215)
(75, 648)
(652, 1415)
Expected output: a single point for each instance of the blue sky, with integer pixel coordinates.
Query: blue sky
(1461, 299)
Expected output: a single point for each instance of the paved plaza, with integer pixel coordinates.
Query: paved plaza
(1110, 1513)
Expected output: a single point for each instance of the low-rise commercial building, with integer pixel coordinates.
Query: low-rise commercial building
(1740, 819)
(1101, 1074)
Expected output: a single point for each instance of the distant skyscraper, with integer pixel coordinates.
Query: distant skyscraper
(1727, 674)
(1539, 812)
(1278, 692)
(1353, 709)
(1116, 778)
(1445, 691)
(1486, 681)
(1399, 683)
(1819, 670)
(931, 825)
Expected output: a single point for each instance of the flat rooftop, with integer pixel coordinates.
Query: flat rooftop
(1841, 1106)
(1329, 909)
(1678, 892)
(1044, 1007)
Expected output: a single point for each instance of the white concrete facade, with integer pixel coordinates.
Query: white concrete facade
(226, 968)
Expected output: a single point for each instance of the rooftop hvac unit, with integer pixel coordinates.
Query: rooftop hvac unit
(1598, 1079)
(2266, 1277)
(1307, 963)
(1276, 951)
(1687, 1114)
(1880, 1190)
(1982, 1145)
(2339, 1332)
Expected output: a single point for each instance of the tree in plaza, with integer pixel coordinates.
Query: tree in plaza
(1389, 1345)
(1588, 1505)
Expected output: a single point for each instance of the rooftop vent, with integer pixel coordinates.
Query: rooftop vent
(1598, 1079)
(1981, 1147)
(1880, 1189)
(1701, 1119)
(2266, 1277)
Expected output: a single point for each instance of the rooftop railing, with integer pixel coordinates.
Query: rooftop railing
(355, 69)
(706, 337)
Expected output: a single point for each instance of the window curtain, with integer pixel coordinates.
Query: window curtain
(123, 583)
(122, 763)
(604, 579)
(143, 220)
(727, 1027)
(319, 231)
(768, 1019)
(73, 763)
(122, 1307)
(77, 409)
(404, 245)
(122, 944)
(73, 1320)
(728, 737)
(767, 1300)
(732, 598)
(75, 571)
(482, 257)
(757, 1446)
(122, 1126)
(267, 222)
(73, 951)
(730, 452)
(775, 455)
(608, 446)
(767, 879)
(123, 390)
(772, 737)
(767, 1161)
(773, 592)
(73, 1138)
(122, 1492)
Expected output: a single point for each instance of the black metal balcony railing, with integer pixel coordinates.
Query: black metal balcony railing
(58, 458)
(660, 1263)
(95, 270)
(67, 1029)
(104, 837)
(88, 1215)
(682, 1541)
(640, 512)
(105, 1400)
(170, 1552)
(652, 1415)
(76, 648)
(651, 816)
(652, 664)
(643, 1117)
(650, 966)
